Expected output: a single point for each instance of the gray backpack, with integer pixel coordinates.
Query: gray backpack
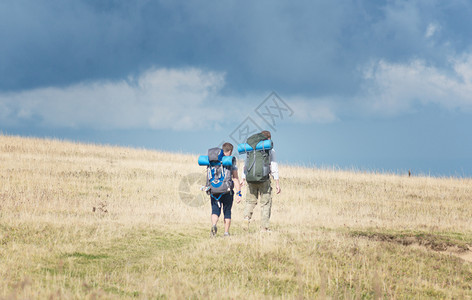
(219, 175)
(257, 167)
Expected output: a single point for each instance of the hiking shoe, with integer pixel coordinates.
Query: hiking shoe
(226, 234)
(214, 230)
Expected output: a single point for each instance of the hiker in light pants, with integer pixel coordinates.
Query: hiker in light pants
(262, 189)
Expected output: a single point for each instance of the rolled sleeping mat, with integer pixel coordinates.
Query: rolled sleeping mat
(203, 160)
(262, 145)
(227, 161)
(244, 147)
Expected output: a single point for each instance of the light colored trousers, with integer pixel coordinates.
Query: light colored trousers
(255, 190)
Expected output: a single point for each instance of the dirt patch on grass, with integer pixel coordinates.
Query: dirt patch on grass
(436, 242)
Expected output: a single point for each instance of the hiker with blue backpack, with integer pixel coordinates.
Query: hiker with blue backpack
(259, 165)
(222, 180)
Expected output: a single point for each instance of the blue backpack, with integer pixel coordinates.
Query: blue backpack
(219, 175)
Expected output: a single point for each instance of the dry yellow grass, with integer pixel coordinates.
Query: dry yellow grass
(86, 221)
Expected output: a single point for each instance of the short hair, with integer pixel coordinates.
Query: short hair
(227, 147)
(266, 133)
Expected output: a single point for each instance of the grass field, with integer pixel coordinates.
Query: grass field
(84, 221)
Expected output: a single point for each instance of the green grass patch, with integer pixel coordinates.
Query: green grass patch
(112, 260)
(86, 256)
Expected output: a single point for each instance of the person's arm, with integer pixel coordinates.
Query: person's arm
(237, 186)
(274, 170)
(243, 176)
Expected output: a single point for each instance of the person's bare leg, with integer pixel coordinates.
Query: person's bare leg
(227, 225)
(214, 219)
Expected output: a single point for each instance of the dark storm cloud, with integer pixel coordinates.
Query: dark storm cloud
(311, 48)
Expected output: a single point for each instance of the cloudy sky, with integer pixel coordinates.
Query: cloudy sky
(376, 85)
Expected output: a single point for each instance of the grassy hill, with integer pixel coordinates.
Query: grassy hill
(87, 221)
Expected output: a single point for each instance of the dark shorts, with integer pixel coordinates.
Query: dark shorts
(226, 202)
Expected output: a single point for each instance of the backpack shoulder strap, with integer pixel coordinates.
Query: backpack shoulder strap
(253, 153)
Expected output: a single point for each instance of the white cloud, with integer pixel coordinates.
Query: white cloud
(392, 89)
(158, 99)
(399, 88)
(191, 99)
(431, 30)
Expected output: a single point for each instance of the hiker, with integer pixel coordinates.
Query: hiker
(222, 181)
(259, 183)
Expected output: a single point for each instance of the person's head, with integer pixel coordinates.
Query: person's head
(266, 133)
(227, 149)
